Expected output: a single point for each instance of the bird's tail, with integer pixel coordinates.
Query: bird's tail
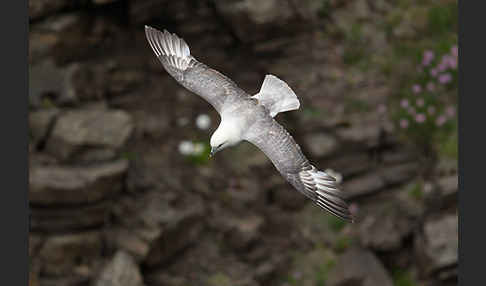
(276, 95)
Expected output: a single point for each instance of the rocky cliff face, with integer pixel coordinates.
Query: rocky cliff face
(114, 202)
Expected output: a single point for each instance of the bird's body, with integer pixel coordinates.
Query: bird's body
(250, 118)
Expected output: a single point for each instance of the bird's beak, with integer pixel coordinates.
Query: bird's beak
(213, 151)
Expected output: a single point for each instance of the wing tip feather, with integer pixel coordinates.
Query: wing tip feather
(168, 45)
(327, 196)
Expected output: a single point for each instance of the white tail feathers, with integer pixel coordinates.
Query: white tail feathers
(277, 96)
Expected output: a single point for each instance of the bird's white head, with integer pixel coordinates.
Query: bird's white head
(227, 134)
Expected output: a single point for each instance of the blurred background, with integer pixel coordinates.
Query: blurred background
(121, 188)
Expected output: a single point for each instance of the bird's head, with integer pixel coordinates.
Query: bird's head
(225, 136)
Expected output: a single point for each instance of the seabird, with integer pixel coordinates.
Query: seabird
(250, 118)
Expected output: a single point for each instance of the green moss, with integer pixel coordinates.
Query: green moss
(325, 9)
(448, 147)
(415, 191)
(203, 157)
(219, 279)
(442, 19)
(128, 155)
(47, 103)
(323, 271)
(356, 105)
(403, 278)
(342, 244)
(336, 224)
(312, 112)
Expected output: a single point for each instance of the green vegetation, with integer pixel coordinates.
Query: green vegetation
(335, 224)
(342, 244)
(403, 278)
(219, 279)
(415, 190)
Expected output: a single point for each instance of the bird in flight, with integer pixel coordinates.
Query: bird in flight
(250, 118)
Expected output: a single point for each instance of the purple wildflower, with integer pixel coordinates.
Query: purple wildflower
(455, 51)
(403, 123)
(420, 118)
(449, 61)
(440, 120)
(404, 103)
(442, 66)
(434, 72)
(416, 88)
(428, 57)
(445, 78)
(453, 63)
(450, 111)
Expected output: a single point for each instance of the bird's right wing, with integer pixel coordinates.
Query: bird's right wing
(175, 56)
(271, 138)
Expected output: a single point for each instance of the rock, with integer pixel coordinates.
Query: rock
(43, 8)
(129, 241)
(47, 84)
(142, 11)
(446, 166)
(316, 225)
(286, 196)
(386, 225)
(437, 245)
(40, 122)
(368, 135)
(358, 267)
(397, 157)
(311, 268)
(35, 242)
(400, 173)
(321, 144)
(55, 185)
(363, 185)
(44, 36)
(95, 156)
(103, 2)
(168, 230)
(66, 254)
(62, 219)
(241, 232)
(352, 164)
(80, 130)
(251, 20)
(120, 271)
(448, 188)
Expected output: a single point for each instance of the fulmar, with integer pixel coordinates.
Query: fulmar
(250, 118)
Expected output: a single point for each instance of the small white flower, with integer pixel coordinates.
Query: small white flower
(198, 149)
(186, 147)
(335, 175)
(203, 121)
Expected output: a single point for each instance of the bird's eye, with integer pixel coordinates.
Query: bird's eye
(219, 146)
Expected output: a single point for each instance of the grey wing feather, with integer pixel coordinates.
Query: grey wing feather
(279, 146)
(174, 54)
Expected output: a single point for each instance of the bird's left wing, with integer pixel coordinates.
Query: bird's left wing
(271, 138)
(174, 54)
